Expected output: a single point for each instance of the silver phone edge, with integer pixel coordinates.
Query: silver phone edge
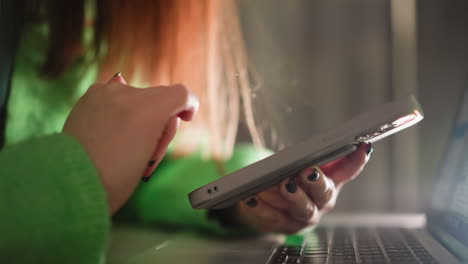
(262, 185)
(391, 110)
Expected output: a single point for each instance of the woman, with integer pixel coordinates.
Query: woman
(59, 187)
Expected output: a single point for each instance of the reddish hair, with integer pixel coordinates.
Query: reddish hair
(194, 42)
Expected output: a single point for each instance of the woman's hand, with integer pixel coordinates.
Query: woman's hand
(126, 130)
(297, 203)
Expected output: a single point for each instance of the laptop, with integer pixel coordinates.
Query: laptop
(438, 236)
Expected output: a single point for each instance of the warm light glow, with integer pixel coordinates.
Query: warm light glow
(403, 120)
(391, 128)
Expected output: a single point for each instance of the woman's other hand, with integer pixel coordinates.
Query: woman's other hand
(126, 130)
(297, 203)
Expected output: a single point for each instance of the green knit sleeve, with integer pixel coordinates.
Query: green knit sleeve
(52, 205)
(163, 199)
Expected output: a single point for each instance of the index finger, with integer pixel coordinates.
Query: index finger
(347, 168)
(177, 100)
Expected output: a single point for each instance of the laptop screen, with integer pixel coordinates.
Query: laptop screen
(448, 212)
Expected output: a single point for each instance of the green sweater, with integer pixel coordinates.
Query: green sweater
(51, 200)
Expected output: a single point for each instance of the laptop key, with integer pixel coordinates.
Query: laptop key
(374, 260)
(322, 260)
(342, 261)
(397, 247)
(323, 255)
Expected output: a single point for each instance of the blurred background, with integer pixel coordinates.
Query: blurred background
(320, 62)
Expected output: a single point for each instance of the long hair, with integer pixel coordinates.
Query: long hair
(158, 42)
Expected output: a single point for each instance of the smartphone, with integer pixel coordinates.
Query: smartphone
(368, 127)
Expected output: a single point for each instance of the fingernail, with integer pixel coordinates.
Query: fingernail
(291, 186)
(370, 149)
(314, 176)
(148, 172)
(252, 202)
(118, 78)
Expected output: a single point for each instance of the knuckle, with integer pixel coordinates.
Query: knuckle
(329, 200)
(309, 212)
(180, 92)
(329, 192)
(170, 97)
(315, 220)
(330, 205)
(329, 183)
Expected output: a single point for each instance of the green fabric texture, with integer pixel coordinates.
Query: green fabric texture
(39, 106)
(52, 203)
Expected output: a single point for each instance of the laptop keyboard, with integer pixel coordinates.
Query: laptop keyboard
(352, 245)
